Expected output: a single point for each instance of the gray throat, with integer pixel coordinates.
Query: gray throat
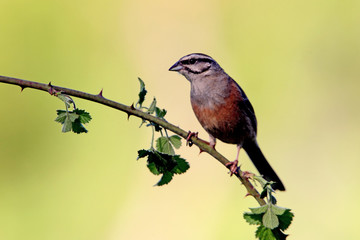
(209, 92)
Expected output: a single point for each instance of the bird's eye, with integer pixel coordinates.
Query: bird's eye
(192, 61)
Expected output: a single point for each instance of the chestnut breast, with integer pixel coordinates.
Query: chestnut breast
(220, 110)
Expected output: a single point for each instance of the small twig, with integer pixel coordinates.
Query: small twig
(130, 110)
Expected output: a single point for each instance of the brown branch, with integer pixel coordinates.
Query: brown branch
(130, 110)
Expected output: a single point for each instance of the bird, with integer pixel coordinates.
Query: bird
(224, 111)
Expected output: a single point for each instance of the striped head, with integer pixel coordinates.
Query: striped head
(196, 65)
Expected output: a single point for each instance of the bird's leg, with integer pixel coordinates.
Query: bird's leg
(212, 141)
(233, 166)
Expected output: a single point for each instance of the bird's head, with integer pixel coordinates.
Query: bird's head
(196, 65)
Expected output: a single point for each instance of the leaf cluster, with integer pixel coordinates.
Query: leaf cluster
(161, 163)
(272, 219)
(270, 216)
(162, 160)
(73, 120)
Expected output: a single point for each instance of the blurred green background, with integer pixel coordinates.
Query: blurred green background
(298, 61)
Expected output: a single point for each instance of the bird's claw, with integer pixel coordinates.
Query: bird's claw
(248, 175)
(233, 167)
(188, 138)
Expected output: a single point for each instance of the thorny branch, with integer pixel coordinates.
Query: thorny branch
(130, 110)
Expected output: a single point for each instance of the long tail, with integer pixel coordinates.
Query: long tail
(262, 165)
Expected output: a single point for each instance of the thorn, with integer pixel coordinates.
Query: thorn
(51, 89)
(132, 108)
(248, 194)
(22, 88)
(101, 93)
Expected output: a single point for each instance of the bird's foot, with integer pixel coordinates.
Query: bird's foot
(189, 136)
(195, 134)
(248, 175)
(233, 167)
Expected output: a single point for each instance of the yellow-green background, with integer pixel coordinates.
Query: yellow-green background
(299, 62)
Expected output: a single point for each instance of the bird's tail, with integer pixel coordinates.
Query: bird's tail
(262, 165)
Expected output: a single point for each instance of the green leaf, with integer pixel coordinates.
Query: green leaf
(84, 116)
(142, 92)
(261, 180)
(181, 165)
(285, 219)
(77, 127)
(253, 219)
(278, 210)
(259, 210)
(142, 153)
(279, 235)
(61, 116)
(72, 116)
(264, 233)
(270, 220)
(152, 107)
(163, 161)
(160, 113)
(273, 199)
(165, 179)
(157, 127)
(163, 145)
(175, 141)
(67, 125)
(65, 119)
(152, 167)
(263, 193)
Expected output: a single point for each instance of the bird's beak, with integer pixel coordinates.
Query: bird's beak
(176, 67)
